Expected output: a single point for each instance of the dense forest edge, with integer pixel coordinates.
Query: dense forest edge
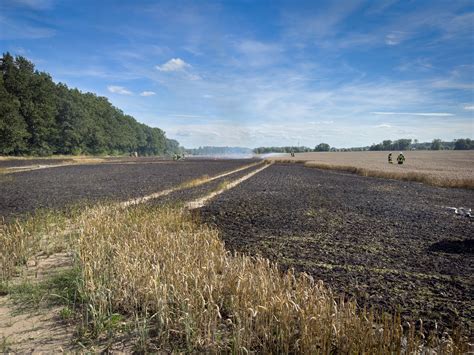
(41, 118)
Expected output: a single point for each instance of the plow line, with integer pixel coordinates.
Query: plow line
(203, 200)
(143, 199)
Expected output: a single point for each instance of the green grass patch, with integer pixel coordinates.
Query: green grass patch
(61, 289)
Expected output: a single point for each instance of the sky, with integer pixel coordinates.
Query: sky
(262, 73)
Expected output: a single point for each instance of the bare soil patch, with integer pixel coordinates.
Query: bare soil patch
(368, 238)
(33, 326)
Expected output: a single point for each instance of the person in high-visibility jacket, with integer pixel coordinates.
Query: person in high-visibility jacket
(390, 161)
(400, 158)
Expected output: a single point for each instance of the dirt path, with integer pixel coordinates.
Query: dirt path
(40, 330)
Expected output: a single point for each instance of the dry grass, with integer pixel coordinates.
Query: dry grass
(194, 183)
(437, 168)
(46, 232)
(5, 176)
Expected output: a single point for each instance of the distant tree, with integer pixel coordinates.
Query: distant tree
(387, 145)
(436, 144)
(403, 144)
(463, 144)
(376, 147)
(322, 147)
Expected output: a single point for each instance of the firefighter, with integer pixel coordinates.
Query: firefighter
(400, 158)
(390, 160)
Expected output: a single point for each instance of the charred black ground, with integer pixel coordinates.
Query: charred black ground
(61, 186)
(194, 193)
(369, 238)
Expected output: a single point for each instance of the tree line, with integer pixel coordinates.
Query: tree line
(436, 144)
(288, 149)
(386, 145)
(40, 117)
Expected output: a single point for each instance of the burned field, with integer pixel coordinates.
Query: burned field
(389, 244)
(25, 192)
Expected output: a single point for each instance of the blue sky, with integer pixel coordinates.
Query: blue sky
(253, 73)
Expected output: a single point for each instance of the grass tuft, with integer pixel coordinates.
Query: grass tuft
(194, 183)
(60, 289)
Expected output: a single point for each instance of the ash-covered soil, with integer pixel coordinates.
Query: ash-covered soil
(61, 186)
(390, 244)
(194, 193)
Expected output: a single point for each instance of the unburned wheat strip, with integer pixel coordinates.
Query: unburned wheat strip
(143, 199)
(203, 200)
(17, 169)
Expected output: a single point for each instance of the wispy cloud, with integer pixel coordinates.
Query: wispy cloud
(469, 108)
(119, 90)
(395, 37)
(34, 4)
(418, 64)
(433, 114)
(20, 29)
(147, 93)
(308, 24)
(174, 64)
(186, 116)
(257, 53)
(452, 84)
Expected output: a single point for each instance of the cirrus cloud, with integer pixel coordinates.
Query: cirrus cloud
(437, 114)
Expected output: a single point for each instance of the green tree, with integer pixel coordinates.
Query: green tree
(40, 117)
(387, 145)
(436, 144)
(322, 147)
(464, 144)
(403, 144)
(376, 147)
(13, 134)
